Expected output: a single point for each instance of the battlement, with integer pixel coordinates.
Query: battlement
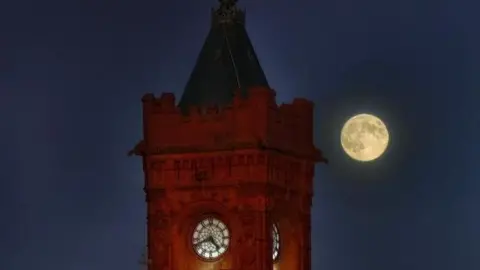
(255, 121)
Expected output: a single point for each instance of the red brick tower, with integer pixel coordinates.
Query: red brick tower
(228, 172)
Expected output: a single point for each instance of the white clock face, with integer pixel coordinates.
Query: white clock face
(210, 238)
(276, 242)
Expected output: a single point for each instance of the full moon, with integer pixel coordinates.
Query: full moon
(364, 137)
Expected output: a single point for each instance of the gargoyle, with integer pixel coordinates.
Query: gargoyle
(138, 150)
(320, 157)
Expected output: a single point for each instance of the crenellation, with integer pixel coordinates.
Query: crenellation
(148, 97)
(167, 102)
(288, 128)
(256, 120)
(262, 97)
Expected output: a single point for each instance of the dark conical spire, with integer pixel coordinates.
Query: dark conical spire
(227, 61)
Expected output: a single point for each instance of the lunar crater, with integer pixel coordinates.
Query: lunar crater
(364, 137)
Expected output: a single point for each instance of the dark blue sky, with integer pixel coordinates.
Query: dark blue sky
(72, 74)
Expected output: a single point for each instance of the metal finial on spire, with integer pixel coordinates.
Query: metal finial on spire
(227, 2)
(227, 10)
(227, 63)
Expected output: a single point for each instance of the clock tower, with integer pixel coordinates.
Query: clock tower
(228, 172)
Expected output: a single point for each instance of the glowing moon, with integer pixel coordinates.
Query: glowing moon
(364, 137)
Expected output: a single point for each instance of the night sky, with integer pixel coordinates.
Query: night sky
(72, 74)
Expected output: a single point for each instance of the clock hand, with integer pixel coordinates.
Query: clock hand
(211, 240)
(202, 241)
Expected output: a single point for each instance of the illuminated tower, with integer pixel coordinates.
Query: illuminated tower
(228, 172)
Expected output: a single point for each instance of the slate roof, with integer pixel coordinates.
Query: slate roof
(227, 61)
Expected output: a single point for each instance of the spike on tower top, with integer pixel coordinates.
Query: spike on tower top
(227, 62)
(228, 12)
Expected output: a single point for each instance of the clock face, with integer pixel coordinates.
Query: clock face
(210, 238)
(276, 242)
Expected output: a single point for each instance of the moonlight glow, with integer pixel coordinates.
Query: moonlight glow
(364, 137)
